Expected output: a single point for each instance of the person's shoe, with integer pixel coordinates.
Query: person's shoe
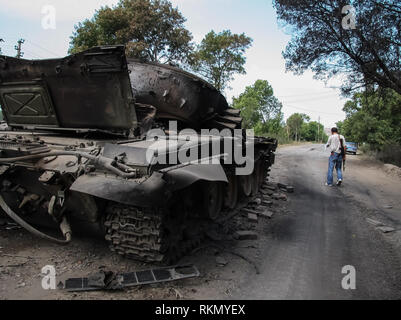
(339, 182)
(328, 185)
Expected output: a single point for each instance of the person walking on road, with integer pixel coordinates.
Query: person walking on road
(336, 145)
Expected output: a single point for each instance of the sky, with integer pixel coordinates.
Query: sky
(256, 18)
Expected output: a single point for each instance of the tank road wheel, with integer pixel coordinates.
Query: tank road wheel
(231, 197)
(246, 185)
(213, 198)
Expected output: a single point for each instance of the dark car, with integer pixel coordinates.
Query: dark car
(352, 147)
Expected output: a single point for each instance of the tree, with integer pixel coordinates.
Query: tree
(260, 109)
(220, 56)
(340, 126)
(313, 131)
(1, 40)
(324, 40)
(295, 123)
(150, 29)
(374, 118)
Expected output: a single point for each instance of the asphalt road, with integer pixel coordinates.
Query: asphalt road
(300, 253)
(325, 230)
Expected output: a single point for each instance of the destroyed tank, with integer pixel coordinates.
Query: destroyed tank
(86, 135)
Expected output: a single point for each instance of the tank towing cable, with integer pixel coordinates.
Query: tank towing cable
(64, 225)
(106, 163)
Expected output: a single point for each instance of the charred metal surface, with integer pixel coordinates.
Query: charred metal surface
(84, 150)
(152, 191)
(117, 281)
(87, 90)
(180, 95)
(186, 176)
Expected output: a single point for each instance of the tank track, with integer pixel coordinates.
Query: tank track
(150, 235)
(159, 235)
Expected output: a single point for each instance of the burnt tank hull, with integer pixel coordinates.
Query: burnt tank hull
(90, 145)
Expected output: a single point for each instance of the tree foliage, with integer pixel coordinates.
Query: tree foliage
(295, 123)
(151, 30)
(260, 109)
(220, 56)
(368, 55)
(1, 40)
(373, 118)
(313, 131)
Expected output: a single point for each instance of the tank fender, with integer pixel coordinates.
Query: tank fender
(185, 176)
(151, 192)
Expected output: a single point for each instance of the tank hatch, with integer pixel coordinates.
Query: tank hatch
(89, 90)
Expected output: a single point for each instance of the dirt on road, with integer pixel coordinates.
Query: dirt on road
(299, 253)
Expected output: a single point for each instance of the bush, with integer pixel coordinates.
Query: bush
(388, 154)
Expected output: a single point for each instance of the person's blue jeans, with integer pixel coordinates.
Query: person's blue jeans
(335, 161)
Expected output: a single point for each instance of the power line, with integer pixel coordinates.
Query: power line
(33, 54)
(43, 48)
(309, 110)
(316, 98)
(308, 94)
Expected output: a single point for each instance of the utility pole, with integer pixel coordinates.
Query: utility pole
(18, 47)
(318, 131)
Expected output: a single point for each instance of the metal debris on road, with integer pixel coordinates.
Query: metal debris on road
(256, 201)
(267, 192)
(267, 214)
(374, 222)
(290, 189)
(119, 281)
(280, 196)
(246, 235)
(282, 186)
(386, 229)
(285, 188)
(221, 262)
(269, 187)
(250, 211)
(252, 217)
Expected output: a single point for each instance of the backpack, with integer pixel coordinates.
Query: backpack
(343, 148)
